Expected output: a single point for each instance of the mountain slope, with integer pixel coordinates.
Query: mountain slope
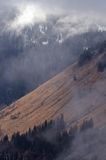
(39, 53)
(77, 92)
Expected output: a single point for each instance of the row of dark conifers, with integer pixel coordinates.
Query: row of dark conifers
(44, 142)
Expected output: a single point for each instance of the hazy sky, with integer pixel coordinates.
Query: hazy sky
(65, 5)
(86, 5)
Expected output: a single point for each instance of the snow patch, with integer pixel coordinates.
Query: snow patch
(45, 43)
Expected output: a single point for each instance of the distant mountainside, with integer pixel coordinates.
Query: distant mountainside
(30, 57)
(79, 92)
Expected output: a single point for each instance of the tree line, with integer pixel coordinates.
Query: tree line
(44, 142)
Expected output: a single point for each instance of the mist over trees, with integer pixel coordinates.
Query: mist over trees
(43, 142)
(101, 65)
(24, 64)
(85, 57)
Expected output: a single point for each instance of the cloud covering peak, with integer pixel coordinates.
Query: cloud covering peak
(25, 12)
(66, 5)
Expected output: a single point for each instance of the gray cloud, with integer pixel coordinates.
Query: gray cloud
(90, 145)
(95, 8)
(79, 8)
(65, 5)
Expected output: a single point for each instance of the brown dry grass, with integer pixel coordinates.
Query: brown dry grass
(77, 100)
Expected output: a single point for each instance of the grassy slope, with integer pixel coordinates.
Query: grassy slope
(77, 100)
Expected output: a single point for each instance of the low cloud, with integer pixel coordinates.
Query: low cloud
(90, 145)
(76, 16)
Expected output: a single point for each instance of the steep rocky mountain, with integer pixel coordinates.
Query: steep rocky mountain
(79, 92)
